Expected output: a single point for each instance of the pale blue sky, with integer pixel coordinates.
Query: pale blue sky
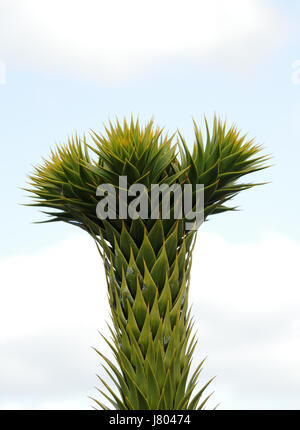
(55, 86)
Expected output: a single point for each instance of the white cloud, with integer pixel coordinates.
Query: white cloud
(245, 299)
(53, 305)
(117, 39)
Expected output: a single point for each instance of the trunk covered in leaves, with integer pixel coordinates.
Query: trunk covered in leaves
(148, 273)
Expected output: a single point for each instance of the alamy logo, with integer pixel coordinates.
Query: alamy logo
(296, 72)
(186, 202)
(2, 73)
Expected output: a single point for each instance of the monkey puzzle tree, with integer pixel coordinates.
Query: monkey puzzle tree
(147, 261)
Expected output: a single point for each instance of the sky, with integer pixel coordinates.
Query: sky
(70, 66)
